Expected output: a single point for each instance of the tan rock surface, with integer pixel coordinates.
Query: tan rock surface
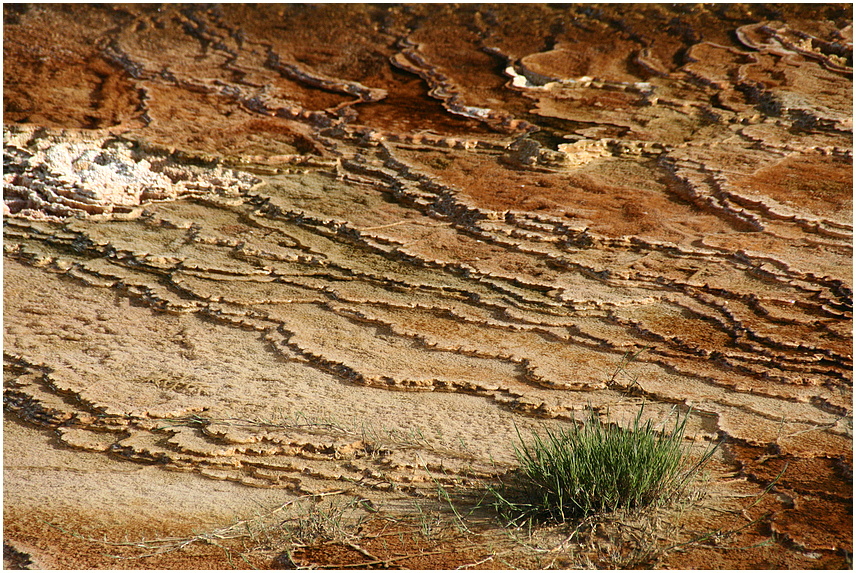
(253, 254)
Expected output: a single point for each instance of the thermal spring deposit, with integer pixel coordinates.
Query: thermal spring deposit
(288, 286)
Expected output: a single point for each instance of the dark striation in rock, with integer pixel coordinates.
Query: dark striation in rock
(299, 246)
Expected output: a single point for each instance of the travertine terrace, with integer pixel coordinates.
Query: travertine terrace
(257, 253)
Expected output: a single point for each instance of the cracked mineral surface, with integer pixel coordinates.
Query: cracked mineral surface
(254, 254)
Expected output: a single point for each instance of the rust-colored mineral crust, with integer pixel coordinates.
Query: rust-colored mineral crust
(258, 253)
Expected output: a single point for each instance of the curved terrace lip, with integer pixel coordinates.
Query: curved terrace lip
(322, 285)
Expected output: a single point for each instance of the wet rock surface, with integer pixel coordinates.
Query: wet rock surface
(311, 248)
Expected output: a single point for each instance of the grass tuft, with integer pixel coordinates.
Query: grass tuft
(596, 468)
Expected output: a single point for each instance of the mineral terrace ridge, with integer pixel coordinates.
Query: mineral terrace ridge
(261, 261)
